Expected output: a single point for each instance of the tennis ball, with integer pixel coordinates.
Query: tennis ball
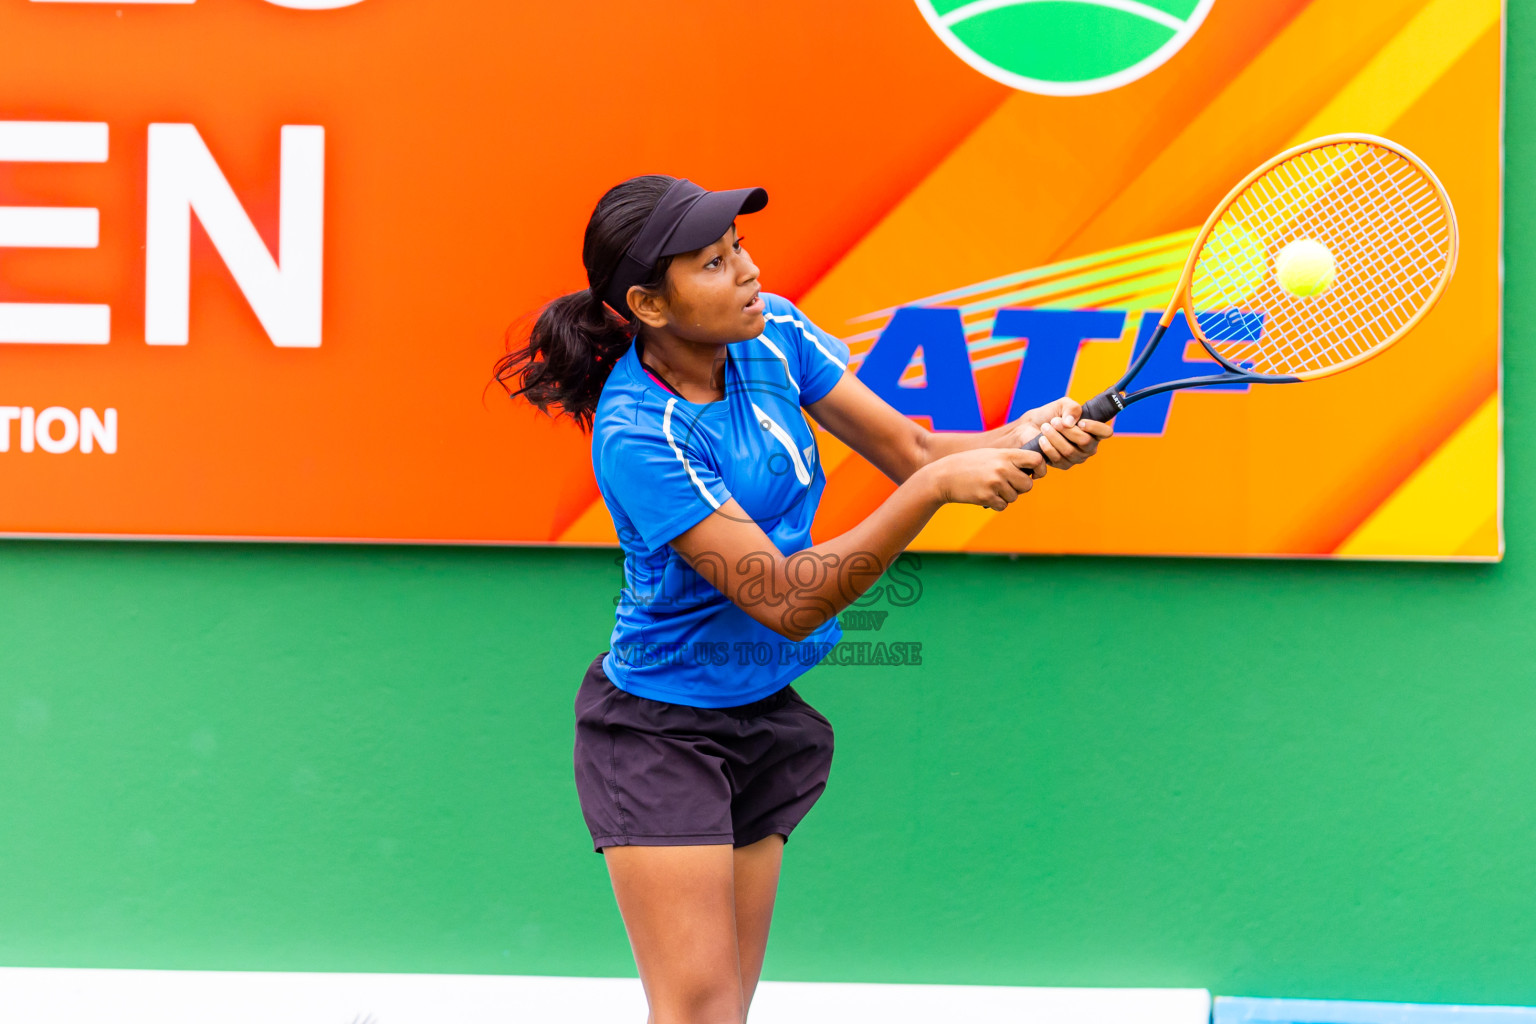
(1305, 268)
(1064, 47)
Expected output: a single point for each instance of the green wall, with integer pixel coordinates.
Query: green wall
(1319, 780)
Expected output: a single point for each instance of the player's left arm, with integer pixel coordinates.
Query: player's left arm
(898, 447)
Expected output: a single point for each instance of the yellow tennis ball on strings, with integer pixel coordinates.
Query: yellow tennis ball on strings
(1305, 268)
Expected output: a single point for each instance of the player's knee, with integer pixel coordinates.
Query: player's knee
(704, 1001)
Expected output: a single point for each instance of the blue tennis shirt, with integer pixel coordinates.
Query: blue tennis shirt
(664, 463)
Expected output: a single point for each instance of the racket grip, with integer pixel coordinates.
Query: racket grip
(1101, 407)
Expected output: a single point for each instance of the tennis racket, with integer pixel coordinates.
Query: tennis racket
(1317, 261)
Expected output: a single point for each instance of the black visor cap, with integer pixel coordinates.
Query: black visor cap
(688, 217)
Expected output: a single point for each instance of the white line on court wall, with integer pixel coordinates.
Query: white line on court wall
(67, 996)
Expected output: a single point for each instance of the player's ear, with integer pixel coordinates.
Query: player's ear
(649, 307)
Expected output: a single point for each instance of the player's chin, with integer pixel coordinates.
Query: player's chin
(753, 322)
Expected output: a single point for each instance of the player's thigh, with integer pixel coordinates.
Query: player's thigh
(756, 883)
(679, 908)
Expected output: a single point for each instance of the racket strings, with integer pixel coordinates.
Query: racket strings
(1355, 198)
(1360, 198)
(1373, 307)
(1388, 232)
(1379, 309)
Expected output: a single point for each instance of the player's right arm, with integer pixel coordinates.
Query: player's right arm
(795, 594)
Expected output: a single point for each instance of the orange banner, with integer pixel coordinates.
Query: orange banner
(258, 257)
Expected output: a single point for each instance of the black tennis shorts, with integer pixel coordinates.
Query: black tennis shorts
(649, 773)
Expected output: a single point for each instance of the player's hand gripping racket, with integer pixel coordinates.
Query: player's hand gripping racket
(1314, 263)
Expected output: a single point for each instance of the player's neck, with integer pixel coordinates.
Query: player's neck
(695, 371)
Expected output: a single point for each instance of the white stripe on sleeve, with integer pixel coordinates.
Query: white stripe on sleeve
(787, 319)
(666, 428)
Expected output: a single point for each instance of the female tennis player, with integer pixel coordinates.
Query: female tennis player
(695, 758)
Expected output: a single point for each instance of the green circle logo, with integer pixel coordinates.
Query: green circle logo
(1065, 47)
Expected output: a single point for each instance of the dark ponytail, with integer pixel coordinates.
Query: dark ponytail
(575, 340)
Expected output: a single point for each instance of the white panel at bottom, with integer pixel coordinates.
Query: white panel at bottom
(798, 1002)
(63, 996)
